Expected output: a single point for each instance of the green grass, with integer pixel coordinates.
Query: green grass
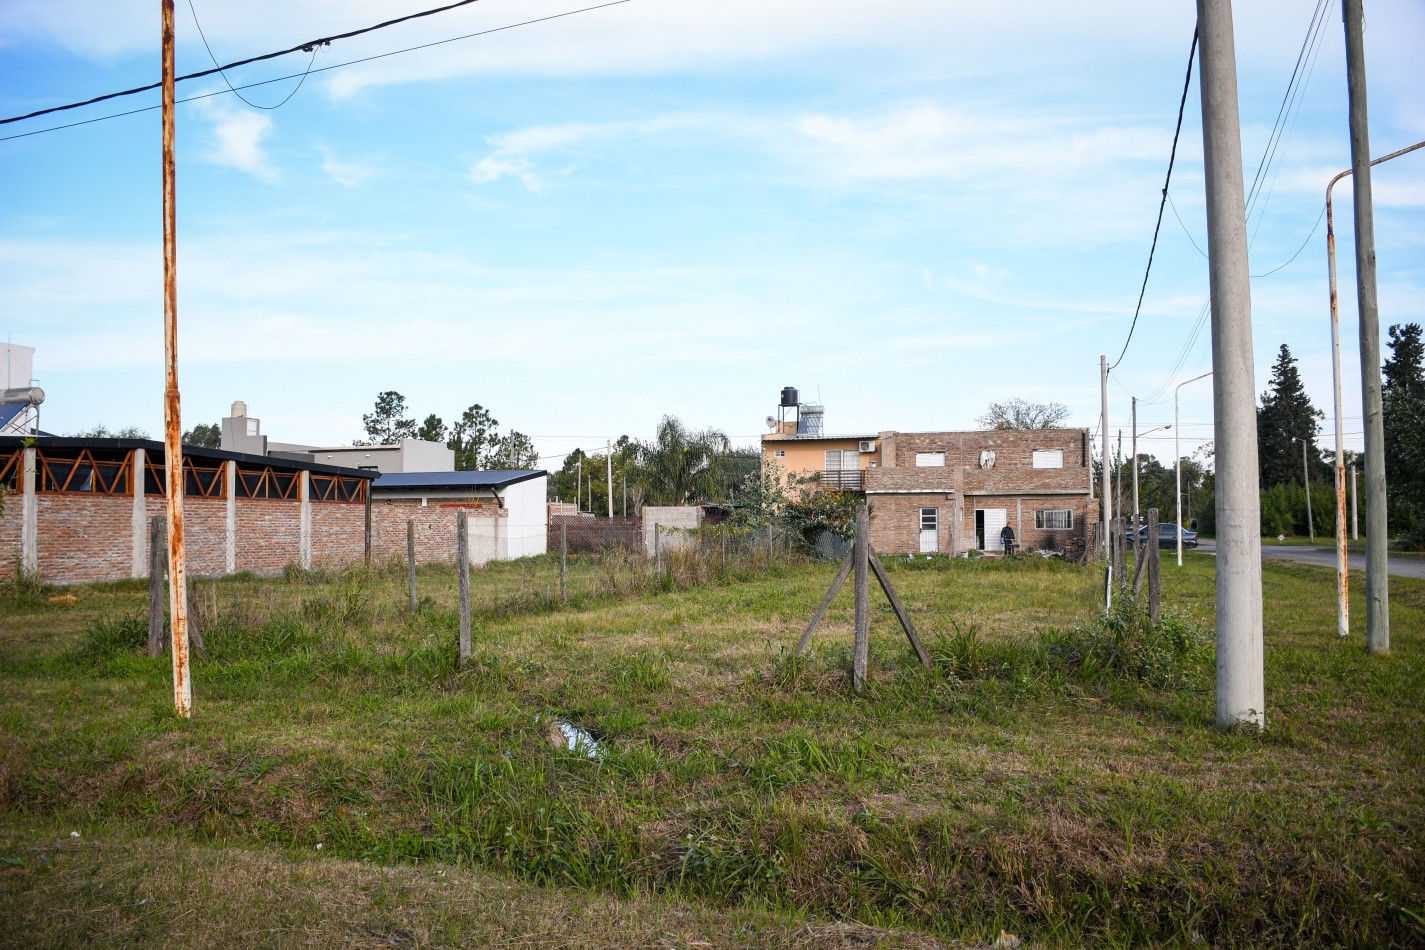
(1058, 776)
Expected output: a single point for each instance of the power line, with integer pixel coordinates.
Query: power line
(266, 82)
(192, 9)
(1172, 157)
(302, 47)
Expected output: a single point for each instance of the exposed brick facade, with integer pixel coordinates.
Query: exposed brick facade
(434, 529)
(898, 489)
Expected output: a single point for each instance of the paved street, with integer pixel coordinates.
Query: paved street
(1326, 557)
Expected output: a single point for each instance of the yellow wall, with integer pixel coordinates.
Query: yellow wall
(809, 455)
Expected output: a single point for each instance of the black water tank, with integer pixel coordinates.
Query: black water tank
(789, 397)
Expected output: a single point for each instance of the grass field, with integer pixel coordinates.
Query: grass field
(343, 780)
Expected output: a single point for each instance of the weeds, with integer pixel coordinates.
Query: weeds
(1127, 643)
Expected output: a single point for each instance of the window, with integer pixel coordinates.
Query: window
(930, 460)
(1048, 458)
(779, 453)
(838, 460)
(929, 519)
(1054, 519)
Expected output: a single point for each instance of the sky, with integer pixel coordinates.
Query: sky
(907, 210)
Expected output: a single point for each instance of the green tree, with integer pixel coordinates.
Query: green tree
(474, 439)
(1285, 419)
(205, 436)
(1403, 399)
(387, 423)
(566, 484)
(432, 429)
(1022, 414)
(103, 432)
(513, 451)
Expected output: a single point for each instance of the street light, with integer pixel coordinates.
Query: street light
(1178, 461)
(1375, 551)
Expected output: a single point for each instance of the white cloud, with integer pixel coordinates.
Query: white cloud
(237, 139)
(348, 174)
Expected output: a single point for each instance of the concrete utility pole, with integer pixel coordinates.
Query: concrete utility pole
(1355, 522)
(1135, 463)
(1306, 481)
(1241, 689)
(609, 454)
(1107, 498)
(1377, 580)
(172, 424)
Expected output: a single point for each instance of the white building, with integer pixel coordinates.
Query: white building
(519, 495)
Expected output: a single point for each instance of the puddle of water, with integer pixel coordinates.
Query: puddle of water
(575, 739)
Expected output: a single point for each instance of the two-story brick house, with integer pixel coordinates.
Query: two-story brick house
(952, 492)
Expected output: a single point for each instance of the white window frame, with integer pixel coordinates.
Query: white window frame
(1048, 458)
(934, 519)
(779, 453)
(1043, 521)
(930, 460)
(846, 460)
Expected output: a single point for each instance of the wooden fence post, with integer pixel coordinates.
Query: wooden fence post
(157, 547)
(195, 626)
(1155, 584)
(411, 561)
(564, 562)
(462, 567)
(863, 602)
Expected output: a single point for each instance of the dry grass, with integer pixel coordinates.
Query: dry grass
(1022, 787)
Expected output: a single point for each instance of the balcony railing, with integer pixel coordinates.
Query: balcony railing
(841, 480)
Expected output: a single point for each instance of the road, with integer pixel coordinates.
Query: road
(1326, 557)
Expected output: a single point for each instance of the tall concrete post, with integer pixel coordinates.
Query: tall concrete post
(138, 515)
(1241, 691)
(29, 514)
(1107, 495)
(1377, 580)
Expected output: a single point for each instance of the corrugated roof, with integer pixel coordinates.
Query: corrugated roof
(489, 480)
(150, 445)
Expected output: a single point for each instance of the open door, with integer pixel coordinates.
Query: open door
(989, 522)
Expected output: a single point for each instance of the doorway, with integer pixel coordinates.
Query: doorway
(929, 530)
(988, 524)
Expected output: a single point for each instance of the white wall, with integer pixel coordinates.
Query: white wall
(528, 522)
(418, 455)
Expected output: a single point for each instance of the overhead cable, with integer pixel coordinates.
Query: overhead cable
(1172, 157)
(265, 82)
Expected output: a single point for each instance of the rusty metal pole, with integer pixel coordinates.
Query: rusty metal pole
(1343, 609)
(172, 424)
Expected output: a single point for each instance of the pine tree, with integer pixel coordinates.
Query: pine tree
(1403, 398)
(1285, 419)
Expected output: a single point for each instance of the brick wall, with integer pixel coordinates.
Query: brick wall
(10, 533)
(338, 534)
(434, 528)
(93, 543)
(1013, 448)
(895, 520)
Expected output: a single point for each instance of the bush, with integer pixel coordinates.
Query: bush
(1127, 643)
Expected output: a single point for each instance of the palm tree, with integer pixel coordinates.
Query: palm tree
(681, 465)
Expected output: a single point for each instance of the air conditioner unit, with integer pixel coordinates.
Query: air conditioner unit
(868, 445)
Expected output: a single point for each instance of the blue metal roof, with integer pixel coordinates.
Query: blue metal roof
(493, 480)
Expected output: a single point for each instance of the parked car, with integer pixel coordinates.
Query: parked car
(1166, 536)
